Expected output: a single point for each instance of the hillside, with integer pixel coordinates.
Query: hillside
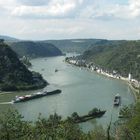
(8, 38)
(34, 49)
(76, 45)
(123, 57)
(14, 75)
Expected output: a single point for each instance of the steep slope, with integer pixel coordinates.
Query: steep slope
(124, 57)
(14, 75)
(34, 49)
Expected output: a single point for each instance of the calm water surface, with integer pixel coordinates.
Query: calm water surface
(82, 90)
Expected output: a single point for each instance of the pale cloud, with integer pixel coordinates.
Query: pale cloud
(58, 19)
(54, 8)
(33, 2)
(72, 8)
(127, 11)
(135, 7)
(130, 10)
(7, 2)
(51, 28)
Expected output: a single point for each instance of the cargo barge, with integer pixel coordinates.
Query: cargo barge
(25, 98)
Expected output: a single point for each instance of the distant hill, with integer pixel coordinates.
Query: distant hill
(35, 49)
(75, 45)
(66, 45)
(8, 38)
(124, 57)
(14, 75)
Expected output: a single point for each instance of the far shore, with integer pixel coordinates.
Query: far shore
(134, 90)
(99, 71)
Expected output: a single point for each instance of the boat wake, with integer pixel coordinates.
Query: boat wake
(6, 103)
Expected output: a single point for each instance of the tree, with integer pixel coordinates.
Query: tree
(13, 127)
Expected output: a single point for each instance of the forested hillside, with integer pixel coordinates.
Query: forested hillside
(14, 75)
(123, 57)
(34, 49)
(76, 45)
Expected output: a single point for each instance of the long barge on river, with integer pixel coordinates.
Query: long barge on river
(25, 98)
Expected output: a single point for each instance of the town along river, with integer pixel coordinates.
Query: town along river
(82, 90)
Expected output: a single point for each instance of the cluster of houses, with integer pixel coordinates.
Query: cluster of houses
(75, 61)
(92, 67)
(113, 74)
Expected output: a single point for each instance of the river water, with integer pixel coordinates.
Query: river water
(82, 90)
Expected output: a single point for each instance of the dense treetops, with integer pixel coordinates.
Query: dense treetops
(14, 75)
(14, 127)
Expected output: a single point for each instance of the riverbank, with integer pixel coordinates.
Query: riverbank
(135, 92)
(134, 89)
(133, 83)
(130, 83)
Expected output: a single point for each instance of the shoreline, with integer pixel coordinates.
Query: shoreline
(126, 80)
(134, 90)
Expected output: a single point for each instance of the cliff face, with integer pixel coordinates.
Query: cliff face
(14, 75)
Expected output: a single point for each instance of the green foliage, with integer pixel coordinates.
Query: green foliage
(127, 111)
(14, 127)
(34, 49)
(128, 128)
(99, 133)
(14, 75)
(74, 115)
(94, 110)
(76, 45)
(124, 57)
(134, 122)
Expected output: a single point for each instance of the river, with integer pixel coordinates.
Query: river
(82, 90)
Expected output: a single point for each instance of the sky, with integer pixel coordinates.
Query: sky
(69, 19)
